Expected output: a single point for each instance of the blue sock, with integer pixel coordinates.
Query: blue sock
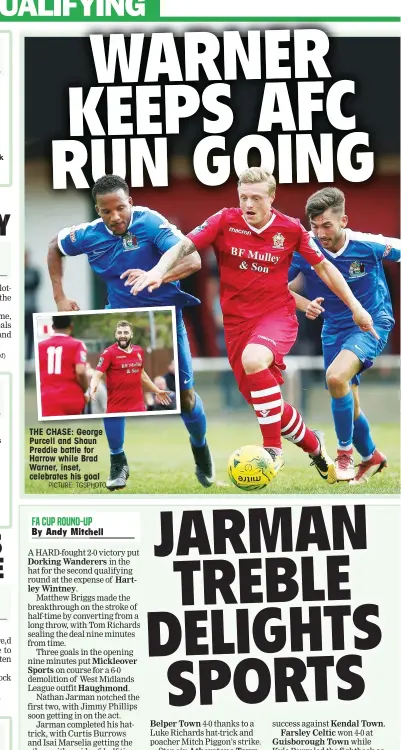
(114, 428)
(362, 438)
(343, 415)
(195, 422)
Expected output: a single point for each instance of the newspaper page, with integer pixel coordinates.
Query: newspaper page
(199, 375)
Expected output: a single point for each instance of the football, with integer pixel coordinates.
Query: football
(251, 468)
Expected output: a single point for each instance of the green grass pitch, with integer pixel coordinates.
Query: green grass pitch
(161, 461)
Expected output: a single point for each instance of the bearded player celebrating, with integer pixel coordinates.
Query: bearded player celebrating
(122, 363)
(254, 247)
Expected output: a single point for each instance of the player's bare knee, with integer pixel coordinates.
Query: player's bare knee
(255, 361)
(336, 383)
(187, 400)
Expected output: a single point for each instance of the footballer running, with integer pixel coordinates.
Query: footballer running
(128, 240)
(347, 350)
(254, 245)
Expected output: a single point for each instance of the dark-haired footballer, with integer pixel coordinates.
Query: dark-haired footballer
(62, 371)
(347, 350)
(124, 239)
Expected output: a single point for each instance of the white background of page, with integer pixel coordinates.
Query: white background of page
(11, 201)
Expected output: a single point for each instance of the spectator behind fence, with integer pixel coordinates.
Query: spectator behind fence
(169, 377)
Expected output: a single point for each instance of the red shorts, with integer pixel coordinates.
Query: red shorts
(52, 407)
(276, 330)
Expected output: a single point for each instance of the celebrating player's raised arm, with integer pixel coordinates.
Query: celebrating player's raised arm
(332, 277)
(55, 266)
(170, 259)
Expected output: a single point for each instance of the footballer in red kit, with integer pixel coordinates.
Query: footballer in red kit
(254, 245)
(253, 265)
(123, 378)
(122, 364)
(62, 368)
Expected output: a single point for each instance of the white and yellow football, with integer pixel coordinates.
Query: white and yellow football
(251, 468)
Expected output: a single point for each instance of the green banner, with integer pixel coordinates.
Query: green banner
(80, 10)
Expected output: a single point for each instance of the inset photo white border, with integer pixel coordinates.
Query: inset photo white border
(119, 315)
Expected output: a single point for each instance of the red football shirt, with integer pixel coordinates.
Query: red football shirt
(123, 378)
(58, 356)
(254, 263)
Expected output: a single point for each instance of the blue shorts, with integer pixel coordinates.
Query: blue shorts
(364, 345)
(186, 373)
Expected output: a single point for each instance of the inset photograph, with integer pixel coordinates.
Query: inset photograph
(109, 363)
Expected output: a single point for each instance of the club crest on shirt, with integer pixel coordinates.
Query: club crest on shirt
(130, 242)
(356, 269)
(278, 240)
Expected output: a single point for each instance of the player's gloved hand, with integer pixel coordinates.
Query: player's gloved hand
(314, 308)
(151, 280)
(162, 397)
(132, 275)
(363, 319)
(64, 304)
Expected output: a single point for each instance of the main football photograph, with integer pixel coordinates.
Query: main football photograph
(286, 294)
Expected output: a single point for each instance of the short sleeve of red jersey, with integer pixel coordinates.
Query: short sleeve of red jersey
(104, 361)
(80, 353)
(206, 233)
(142, 355)
(308, 248)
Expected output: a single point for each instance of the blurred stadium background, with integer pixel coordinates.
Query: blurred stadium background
(373, 206)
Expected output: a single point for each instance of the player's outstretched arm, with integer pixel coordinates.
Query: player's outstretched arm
(332, 277)
(311, 308)
(186, 267)
(182, 270)
(55, 266)
(154, 278)
(95, 380)
(82, 377)
(148, 385)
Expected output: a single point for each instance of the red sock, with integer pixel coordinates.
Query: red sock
(266, 400)
(294, 429)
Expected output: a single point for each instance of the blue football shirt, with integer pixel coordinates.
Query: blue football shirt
(360, 263)
(148, 236)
